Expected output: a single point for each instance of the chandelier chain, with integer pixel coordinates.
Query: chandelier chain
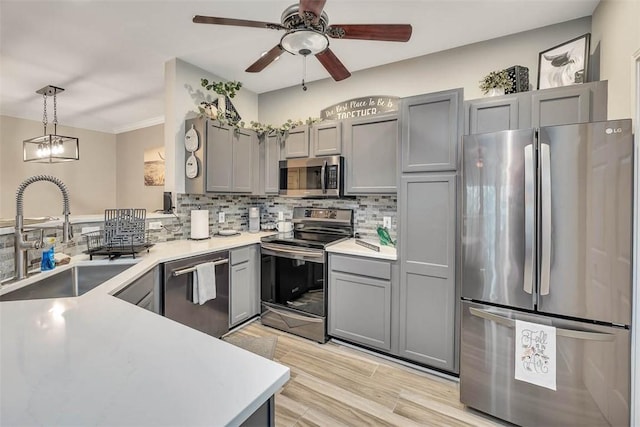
(55, 110)
(44, 113)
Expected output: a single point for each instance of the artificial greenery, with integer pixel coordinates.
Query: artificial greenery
(222, 88)
(496, 79)
(282, 132)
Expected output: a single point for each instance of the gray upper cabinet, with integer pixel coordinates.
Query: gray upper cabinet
(297, 143)
(427, 270)
(370, 150)
(231, 157)
(492, 114)
(548, 107)
(431, 131)
(272, 155)
(326, 138)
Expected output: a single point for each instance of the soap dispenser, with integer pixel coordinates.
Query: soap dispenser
(48, 261)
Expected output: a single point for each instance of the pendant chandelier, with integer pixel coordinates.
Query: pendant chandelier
(50, 148)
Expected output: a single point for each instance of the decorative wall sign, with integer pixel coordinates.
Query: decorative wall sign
(154, 166)
(360, 107)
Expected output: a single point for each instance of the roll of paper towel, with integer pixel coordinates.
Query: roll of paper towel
(199, 224)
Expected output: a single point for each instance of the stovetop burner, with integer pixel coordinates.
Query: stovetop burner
(316, 228)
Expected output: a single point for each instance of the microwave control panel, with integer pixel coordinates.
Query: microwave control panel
(332, 177)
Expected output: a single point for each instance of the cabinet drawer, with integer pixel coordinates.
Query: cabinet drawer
(360, 266)
(240, 255)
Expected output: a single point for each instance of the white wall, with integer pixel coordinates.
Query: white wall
(130, 189)
(183, 94)
(461, 67)
(616, 27)
(91, 180)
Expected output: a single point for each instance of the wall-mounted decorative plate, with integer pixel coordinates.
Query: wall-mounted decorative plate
(191, 167)
(191, 140)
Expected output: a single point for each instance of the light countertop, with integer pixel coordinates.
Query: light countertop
(350, 247)
(98, 360)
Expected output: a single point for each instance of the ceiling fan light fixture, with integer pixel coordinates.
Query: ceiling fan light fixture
(304, 42)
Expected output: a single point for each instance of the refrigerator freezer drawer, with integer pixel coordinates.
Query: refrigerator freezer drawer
(592, 365)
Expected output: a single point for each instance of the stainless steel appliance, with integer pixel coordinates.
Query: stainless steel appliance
(314, 177)
(211, 317)
(294, 271)
(546, 238)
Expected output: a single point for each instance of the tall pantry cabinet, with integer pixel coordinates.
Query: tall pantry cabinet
(432, 126)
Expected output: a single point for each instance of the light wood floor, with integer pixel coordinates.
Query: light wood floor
(335, 385)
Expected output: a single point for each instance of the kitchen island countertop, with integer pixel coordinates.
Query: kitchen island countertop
(98, 360)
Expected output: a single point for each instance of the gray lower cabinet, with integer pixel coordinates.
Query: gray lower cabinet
(370, 150)
(548, 107)
(144, 291)
(427, 270)
(431, 129)
(231, 157)
(244, 285)
(297, 143)
(326, 138)
(360, 301)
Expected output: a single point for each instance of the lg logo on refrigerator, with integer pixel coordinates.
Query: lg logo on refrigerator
(611, 131)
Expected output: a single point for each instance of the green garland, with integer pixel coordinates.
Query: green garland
(496, 79)
(209, 109)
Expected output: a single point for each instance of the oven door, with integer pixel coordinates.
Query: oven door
(294, 277)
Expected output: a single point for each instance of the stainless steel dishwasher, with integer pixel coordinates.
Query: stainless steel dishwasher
(213, 316)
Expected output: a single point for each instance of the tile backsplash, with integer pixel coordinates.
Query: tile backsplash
(369, 210)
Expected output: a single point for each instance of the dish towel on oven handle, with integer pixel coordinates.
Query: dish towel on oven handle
(535, 354)
(204, 283)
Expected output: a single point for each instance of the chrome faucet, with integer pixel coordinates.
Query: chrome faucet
(21, 244)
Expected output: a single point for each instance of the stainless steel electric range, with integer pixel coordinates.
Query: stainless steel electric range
(294, 271)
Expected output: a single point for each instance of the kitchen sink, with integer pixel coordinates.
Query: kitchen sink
(71, 282)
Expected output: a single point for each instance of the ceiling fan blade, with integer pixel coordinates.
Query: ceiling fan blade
(333, 65)
(199, 19)
(382, 32)
(265, 59)
(313, 6)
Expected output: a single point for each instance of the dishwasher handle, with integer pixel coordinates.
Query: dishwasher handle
(176, 273)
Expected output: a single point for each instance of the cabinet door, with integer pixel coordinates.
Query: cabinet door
(272, 155)
(560, 106)
(371, 146)
(427, 282)
(244, 144)
(297, 143)
(492, 115)
(219, 158)
(360, 309)
(240, 293)
(326, 138)
(432, 125)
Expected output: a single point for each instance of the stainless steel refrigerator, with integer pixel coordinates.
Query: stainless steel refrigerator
(547, 238)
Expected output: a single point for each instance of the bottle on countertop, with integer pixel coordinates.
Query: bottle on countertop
(48, 261)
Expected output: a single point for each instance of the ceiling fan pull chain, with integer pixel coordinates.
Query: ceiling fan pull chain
(304, 72)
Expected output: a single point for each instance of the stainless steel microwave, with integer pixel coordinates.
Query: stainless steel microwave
(315, 177)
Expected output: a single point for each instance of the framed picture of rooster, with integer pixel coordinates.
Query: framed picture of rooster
(565, 64)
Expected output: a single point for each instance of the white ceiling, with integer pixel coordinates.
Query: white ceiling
(110, 55)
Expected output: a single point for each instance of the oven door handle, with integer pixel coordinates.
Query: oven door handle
(286, 251)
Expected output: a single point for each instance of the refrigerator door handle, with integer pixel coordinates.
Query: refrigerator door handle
(561, 332)
(545, 205)
(529, 215)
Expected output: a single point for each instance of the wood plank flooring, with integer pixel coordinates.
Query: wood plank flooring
(335, 385)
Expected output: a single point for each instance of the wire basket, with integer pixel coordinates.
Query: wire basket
(124, 234)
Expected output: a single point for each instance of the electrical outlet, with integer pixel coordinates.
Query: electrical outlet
(280, 216)
(386, 222)
(220, 217)
(157, 225)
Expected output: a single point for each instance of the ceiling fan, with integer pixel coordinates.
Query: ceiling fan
(307, 32)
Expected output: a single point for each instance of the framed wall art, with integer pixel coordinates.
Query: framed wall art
(565, 64)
